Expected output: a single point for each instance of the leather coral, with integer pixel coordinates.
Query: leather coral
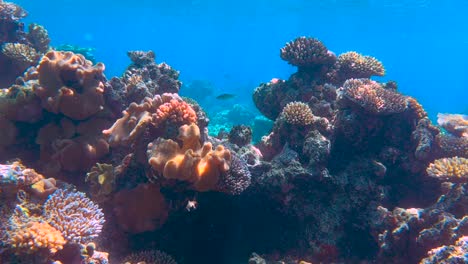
(200, 165)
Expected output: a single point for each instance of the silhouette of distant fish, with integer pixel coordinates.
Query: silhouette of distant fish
(225, 96)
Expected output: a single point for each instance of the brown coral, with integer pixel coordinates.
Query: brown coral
(298, 113)
(70, 84)
(38, 37)
(451, 169)
(21, 55)
(141, 209)
(455, 124)
(19, 103)
(35, 236)
(199, 165)
(149, 257)
(307, 52)
(354, 65)
(374, 99)
(154, 112)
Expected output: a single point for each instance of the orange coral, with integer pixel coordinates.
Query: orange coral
(152, 111)
(35, 236)
(199, 165)
(70, 84)
(451, 169)
(140, 209)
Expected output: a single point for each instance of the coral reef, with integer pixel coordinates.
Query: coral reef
(454, 124)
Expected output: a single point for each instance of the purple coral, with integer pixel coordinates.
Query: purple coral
(237, 179)
(74, 215)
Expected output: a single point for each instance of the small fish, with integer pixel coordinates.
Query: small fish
(226, 96)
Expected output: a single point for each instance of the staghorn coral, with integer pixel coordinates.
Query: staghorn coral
(149, 257)
(298, 113)
(70, 84)
(451, 169)
(354, 65)
(455, 124)
(38, 37)
(201, 166)
(74, 215)
(34, 236)
(374, 99)
(140, 209)
(21, 55)
(307, 52)
(151, 112)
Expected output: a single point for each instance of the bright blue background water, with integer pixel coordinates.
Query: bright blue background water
(235, 44)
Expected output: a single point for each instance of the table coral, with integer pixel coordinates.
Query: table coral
(199, 165)
(70, 84)
(354, 65)
(74, 215)
(307, 52)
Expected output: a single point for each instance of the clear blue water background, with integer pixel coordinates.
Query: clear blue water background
(235, 44)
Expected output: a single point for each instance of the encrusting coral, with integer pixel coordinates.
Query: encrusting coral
(451, 169)
(199, 165)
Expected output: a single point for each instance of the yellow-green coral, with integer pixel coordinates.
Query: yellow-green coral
(451, 169)
(102, 180)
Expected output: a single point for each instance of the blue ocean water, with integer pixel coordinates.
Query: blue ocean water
(235, 44)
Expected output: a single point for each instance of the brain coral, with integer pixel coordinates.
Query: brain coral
(374, 99)
(35, 236)
(74, 215)
(307, 52)
(452, 169)
(199, 165)
(70, 84)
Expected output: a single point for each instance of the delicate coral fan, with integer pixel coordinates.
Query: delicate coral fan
(149, 257)
(455, 124)
(373, 98)
(298, 113)
(75, 216)
(70, 84)
(199, 165)
(354, 65)
(34, 236)
(141, 209)
(307, 52)
(451, 169)
(457, 253)
(155, 111)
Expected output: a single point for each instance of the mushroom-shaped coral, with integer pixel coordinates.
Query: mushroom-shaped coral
(34, 236)
(451, 169)
(70, 84)
(374, 99)
(455, 124)
(74, 215)
(307, 52)
(354, 65)
(155, 112)
(149, 257)
(199, 165)
(298, 113)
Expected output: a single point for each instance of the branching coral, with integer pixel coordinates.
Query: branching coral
(201, 166)
(298, 113)
(455, 124)
(34, 236)
(452, 169)
(74, 215)
(70, 84)
(354, 65)
(21, 54)
(307, 52)
(155, 112)
(373, 98)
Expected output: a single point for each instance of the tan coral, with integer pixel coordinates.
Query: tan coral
(298, 113)
(452, 169)
(35, 236)
(21, 54)
(70, 84)
(354, 65)
(201, 166)
(455, 124)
